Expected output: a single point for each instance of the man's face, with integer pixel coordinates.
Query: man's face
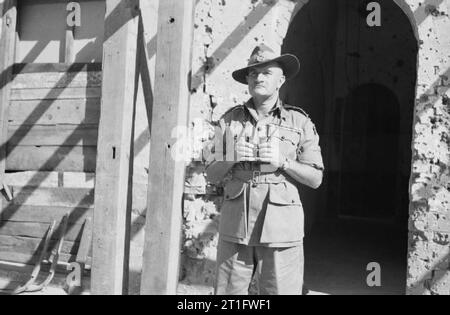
(265, 81)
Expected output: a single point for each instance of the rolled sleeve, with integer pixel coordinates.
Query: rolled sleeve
(309, 151)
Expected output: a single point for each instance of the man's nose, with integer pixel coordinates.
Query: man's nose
(259, 77)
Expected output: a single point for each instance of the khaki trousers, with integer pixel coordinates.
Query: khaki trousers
(278, 271)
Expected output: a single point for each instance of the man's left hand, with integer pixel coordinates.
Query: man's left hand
(269, 152)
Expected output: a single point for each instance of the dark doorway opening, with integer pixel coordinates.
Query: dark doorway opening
(357, 83)
(368, 124)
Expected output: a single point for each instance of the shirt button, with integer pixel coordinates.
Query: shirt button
(259, 128)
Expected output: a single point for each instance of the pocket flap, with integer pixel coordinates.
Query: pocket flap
(234, 189)
(290, 136)
(284, 194)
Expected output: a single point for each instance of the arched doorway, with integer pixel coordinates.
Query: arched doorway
(358, 85)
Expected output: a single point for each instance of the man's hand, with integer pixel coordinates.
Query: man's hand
(245, 151)
(269, 152)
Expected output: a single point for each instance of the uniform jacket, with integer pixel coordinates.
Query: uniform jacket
(267, 214)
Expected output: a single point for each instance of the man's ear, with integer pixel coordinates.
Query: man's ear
(282, 81)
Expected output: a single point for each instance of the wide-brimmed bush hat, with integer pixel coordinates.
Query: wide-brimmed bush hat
(263, 55)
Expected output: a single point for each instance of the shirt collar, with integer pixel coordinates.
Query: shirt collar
(275, 111)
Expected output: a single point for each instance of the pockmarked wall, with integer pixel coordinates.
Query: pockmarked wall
(225, 31)
(429, 237)
(225, 34)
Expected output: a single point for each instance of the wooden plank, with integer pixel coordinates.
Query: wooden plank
(44, 214)
(37, 230)
(7, 45)
(57, 80)
(111, 239)
(55, 197)
(55, 93)
(30, 259)
(26, 245)
(53, 135)
(170, 110)
(69, 56)
(79, 180)
(55, 67)
(44, 112)
(32, 178)
(24, 249)
(50, 179)
(51, 158)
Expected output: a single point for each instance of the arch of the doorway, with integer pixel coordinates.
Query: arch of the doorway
(406, 8)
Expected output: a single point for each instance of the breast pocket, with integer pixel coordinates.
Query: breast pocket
(289, 140)
(233, 213)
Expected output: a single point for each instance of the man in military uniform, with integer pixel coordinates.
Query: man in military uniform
(276, 148)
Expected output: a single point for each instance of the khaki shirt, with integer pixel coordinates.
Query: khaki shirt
(267, 214)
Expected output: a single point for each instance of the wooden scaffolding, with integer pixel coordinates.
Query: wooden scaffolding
(66, 119)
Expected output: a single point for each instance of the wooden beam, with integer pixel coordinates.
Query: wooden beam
(24, 249)
(114, 145)
(36, 230)
(52, 158)
(69, 56)
(53, 135)
(51, 179)
(166, 178)
(54, 197)
(7, 48)
(55, 67)
(44, 214)
(51, 112)
(57, 80)
(55, 93)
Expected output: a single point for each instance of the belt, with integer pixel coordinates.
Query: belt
(258, 177)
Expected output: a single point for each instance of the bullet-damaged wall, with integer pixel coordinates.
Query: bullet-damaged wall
(429, 238)
(225, 31)
(225, 34)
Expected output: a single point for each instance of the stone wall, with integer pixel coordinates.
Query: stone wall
(429, 238)
(225, 31)
(225, 34)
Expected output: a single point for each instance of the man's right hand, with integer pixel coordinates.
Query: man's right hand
(245, 151)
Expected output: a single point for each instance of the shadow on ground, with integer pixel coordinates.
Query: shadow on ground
(337, 255)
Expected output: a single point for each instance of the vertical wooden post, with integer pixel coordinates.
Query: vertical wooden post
(7, 56)
(114, 143)
(166, 174)
(69, 56)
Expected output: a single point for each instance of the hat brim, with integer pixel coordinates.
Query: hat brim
(289, 63)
